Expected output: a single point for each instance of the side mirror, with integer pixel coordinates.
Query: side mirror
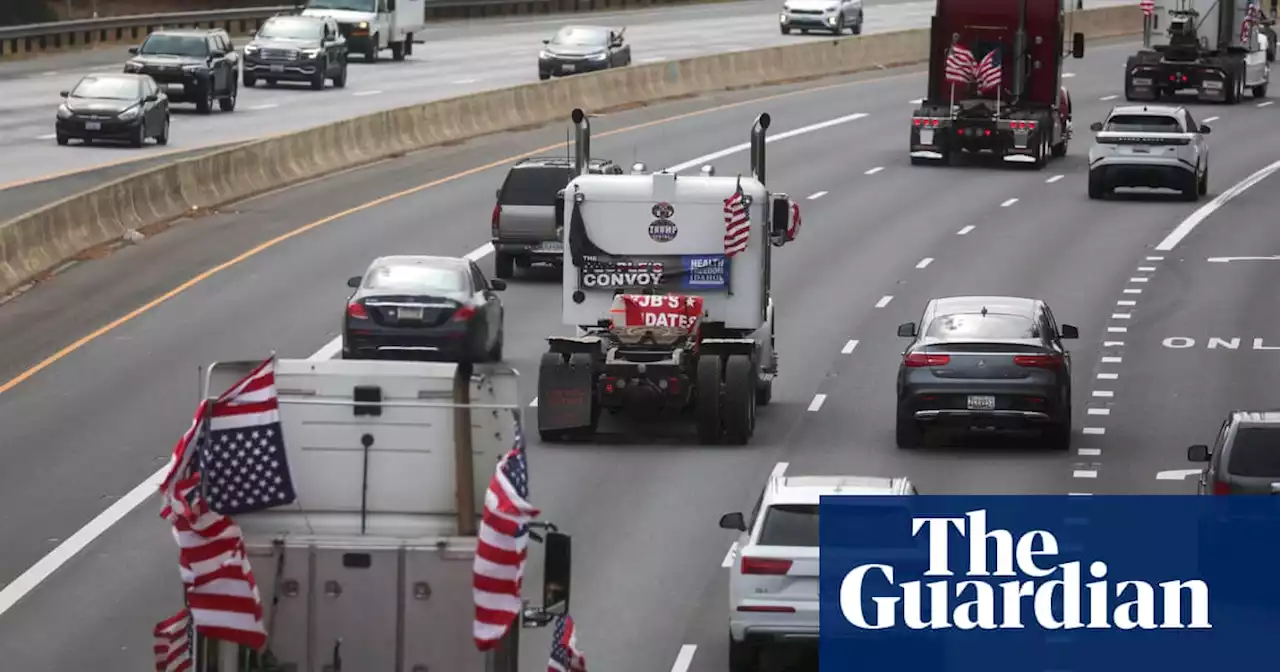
(559, 209)
(907, 330)
(1069, 332)
(497, 193)
(133, 50)
(557, 573)
(353, 282)
(1204, 129)
(546, 41)
(497, 285)
(64, 94)
(1077, 45)
(151, 98)
(733, 521)
(1095, 126)
(216, 54)
(780, 218)
(1198, 453)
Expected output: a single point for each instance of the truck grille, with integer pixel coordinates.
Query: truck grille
(279, 54)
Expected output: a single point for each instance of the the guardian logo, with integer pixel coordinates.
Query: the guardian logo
(1053, 594)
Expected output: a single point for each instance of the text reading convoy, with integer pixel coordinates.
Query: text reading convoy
(1053, 593)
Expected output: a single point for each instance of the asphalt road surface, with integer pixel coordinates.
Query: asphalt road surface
(880, 238)
(458, 58)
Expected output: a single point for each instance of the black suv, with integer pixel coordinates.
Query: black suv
(524, 223)
(191, 65)
(297, 49)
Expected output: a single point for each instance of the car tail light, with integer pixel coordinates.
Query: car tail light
(464, 314)
(1038, 361)
(497, 215)
(1220, 488)
(771, 566)
(610, 384)
(357, 311)
(767, 608)
(926, 359)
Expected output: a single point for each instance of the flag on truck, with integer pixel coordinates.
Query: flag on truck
(565, 655)
(174, 641)
(1148, 7)
(989, 71)
(793, 229)
(502, 546)
(737, 222)
(1250, 20)
(960, 64)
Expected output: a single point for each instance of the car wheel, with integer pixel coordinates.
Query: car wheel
(907, 433)
(1097, 185)
(62, 139)
(504, 266)
(743, 656)
(205, 104)
(1191, 189)
(857, 27)
(163, 138)
(139, 136)
(1204, 182)
(786, 30)
(227, 103)
(340, 81)
(839, 29)
(1260, 91)
(250, 80)
(544, 76)
(317, 82)
(1058, 436)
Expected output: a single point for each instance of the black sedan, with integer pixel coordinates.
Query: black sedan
(985, 362)
(576, 49)
(420, 307)
(114, 107)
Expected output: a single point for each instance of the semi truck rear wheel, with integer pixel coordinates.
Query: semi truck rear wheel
(707, 407)
(739, 400)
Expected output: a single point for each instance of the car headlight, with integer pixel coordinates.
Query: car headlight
(131, 113)
(311, 53)
(132, 66)
(64, 112)
(786, 7)
(195, 69)
(544, 54)
(362, 25)
(250, 49)
(598, 57)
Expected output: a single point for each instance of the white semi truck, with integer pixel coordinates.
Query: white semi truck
(669, 318)
(371, 567)
(1217, 49)
(371, 26)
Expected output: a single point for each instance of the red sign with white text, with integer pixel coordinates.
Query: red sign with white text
(657, 310)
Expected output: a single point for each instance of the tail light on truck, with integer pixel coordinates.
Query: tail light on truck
(497, 216)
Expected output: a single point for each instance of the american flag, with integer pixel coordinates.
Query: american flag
(1250, 19)
(737, 223)
(989, 71)
(1148, 7)
(174, 641)
(960, 65)
(502, 546)
(565, 656)
(794, 229)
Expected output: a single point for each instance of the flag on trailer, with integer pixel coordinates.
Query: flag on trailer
(1250, 20)
(245, 467)
(502, 546)
(174, 641)
(565, 656)
(960, 64)
(737, 222)
(1148, 7)
(989, 71)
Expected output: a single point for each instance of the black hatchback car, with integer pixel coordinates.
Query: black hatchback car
(128, 108)
(191, 65)
(986, 362)
(576, 49)
(1244, 458)
(297, 49)
(421, 307)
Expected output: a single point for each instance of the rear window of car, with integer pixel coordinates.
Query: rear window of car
(797, 525)
(416, 278)
(175, 45)
(970, 326)
(534, 186)
(789, 525)
(1143, 123)
(1255, 453)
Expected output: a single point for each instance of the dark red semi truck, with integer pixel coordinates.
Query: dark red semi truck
(995, 82)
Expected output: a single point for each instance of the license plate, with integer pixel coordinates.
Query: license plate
(981, 403)
(551, 246)
(926, 136)
(177, 88)
(1139, 150)
(568, 68)
(92, 126)
(409, 313)
(1141, 81)
(277, 68)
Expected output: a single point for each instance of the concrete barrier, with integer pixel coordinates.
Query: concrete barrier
(39, 241)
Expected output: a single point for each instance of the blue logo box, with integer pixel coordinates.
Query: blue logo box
(1049, 583)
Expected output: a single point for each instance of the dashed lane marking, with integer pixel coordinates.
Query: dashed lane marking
(884, 301)
(1084, 473)
(685, 658)
(1266, 103)
(47, 136)
(1177, 474)
(1113, 344)
(1133, 290)
(1108, 376)
(1139, 279)
(848, 347)
(1121, 316)
(1146, 269)
(965, 230)
(1112, 360)
(925, 262)
(1099, 411)
(1068, 74)
(534, 403)
(1008, 202)
(466, 81)
(1089, 452)
(1110, 97)
(1053, 179)
(1117, 330)
(264, 106)
(816, 404)
(816, 195)
(366, 93)
(1211, 119)
(873, 171)
(917, 101)
(1095, 431)
(1125, 302)
(1155, 258)
(1100, 393)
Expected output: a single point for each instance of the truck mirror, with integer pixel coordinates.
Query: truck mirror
(557, 573)
(1095, 126)
(907, 330)
(1198, 453)
(1077, 45)
(780, 217)
(559, 211)
(133, 50)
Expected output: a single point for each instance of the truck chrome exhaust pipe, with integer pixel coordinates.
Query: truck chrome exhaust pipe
(757, 145)
(581, 141)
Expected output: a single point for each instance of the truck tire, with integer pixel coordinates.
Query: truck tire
(1260, 91)
(743, 656)
(555, 359)
(707, 407)
(371, 54)
(397, 51)
(504, 265)
(739, 400)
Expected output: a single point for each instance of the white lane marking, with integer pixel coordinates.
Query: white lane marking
(1096, 431)
(534, 403)
(1121, 316)
(1112, 360)
(328, 350)
(1108, 376)
(1068, 74)
(264, 106)
(1193, 220)
(1104, 393)
(1079, 494)
(1177, 474)
(884, 301)
(816, 404)
(1126, 302)
(49, 73)
(1053, 179)
(1099, 411)
(848, 347)
(684, 659)
(1008, 202)
(1227, 260)
(1209, 119)
(466, 81)
(1110, 97)
(1266, 103)
(1133, 290)
(817, 194)
(366, 93)
(965, 230)
(1084, 473)
(728, 556)
(1117, 330)
(917, 101)
(873, 171)
(1089, 452)
(479, 253)
(1146, 269)
(652, 59)
(1139, 279)
(47, 136)
(1113, 344)
(925, 262)
(1155, 258)
(773, 138)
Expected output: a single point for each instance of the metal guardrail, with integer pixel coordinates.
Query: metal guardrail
(139, 20)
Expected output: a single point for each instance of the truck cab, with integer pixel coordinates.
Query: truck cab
(369, 26)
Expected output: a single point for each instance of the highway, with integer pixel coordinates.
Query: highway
(880, 238)
(458, 58)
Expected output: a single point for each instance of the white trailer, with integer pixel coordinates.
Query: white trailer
(370, 26)
(371, 567)
(1216, 49)
(668, 320)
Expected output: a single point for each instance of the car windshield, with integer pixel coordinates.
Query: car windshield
(416, 279)
(175, 45)
(976, 326)
(534, 186)
(1142, 123)
(1255, 453)
(291, 29)
(578, 36)
(348, 5)
(112, 88)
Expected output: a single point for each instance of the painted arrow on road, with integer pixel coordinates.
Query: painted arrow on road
(1224, 260)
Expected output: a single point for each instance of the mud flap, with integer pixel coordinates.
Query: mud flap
(566, 392)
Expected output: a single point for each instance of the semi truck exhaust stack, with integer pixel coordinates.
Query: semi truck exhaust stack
(757, 145)
(581, 141)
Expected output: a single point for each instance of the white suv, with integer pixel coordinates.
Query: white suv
(773, 585)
